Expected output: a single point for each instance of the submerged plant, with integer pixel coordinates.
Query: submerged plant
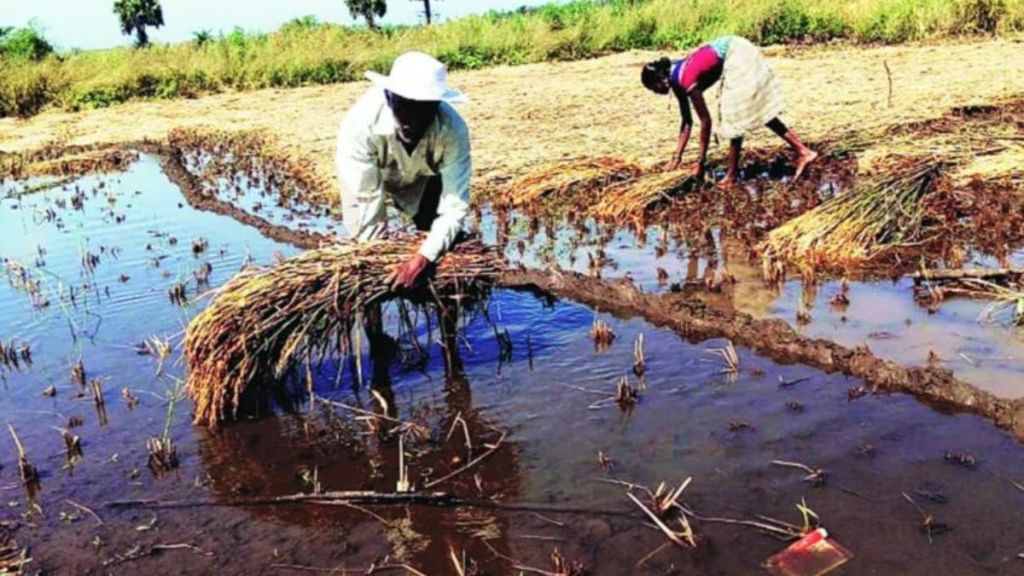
(78, 374)
(625, 393)
(602, 334)
(731, 358)
(639, 364)
(560, 566)
(28, 472)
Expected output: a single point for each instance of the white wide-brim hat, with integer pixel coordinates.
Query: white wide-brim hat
(418, 76)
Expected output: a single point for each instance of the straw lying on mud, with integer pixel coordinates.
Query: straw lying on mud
(633, 198)
(875, 218)
(264, 321)
(574, 178)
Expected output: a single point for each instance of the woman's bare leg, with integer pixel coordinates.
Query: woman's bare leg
(732, 168)
(804, 154)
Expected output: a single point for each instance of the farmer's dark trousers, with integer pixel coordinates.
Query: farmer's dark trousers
(427, 213)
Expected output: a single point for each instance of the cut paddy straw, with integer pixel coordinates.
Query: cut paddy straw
(632, 198)
(874, 219)
(265, 321)
(577, 177)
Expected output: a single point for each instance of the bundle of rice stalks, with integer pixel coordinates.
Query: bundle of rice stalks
(264, 321)
(875, 218)
(632, 198)
(575, 178)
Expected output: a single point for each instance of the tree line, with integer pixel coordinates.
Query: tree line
(138, 17)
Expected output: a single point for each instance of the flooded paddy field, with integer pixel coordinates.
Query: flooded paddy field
(882, 314)
(522, 417)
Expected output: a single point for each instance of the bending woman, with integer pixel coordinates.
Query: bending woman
(748, 96)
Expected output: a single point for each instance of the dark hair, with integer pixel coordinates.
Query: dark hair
(654, 71)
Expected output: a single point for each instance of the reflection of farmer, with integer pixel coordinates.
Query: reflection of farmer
(748, 96)
(403, 143)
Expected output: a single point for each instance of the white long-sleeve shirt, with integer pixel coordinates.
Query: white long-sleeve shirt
(374, 167)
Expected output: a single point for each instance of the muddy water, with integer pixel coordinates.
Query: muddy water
(882, 314)
(691, 421)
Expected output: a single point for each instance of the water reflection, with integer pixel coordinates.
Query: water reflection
(336, 449)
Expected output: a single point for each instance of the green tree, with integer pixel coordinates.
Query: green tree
(24, 44)
(202, 37)
(136, 15)
(369, 10)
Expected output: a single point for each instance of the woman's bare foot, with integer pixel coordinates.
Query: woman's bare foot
(805, 158)
(728, 181)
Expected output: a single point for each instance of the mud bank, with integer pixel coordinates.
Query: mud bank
(695, 320)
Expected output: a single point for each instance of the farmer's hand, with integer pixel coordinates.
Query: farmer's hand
(405, 276)
(673, 165)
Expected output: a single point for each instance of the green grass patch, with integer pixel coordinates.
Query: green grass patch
(305, 51)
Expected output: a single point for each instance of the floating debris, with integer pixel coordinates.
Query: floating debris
(130, 399)
(856, 392)
(816, 476)
(963, 459)
(740, 426)
(929, 525)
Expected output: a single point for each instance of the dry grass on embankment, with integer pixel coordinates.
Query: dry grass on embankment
(528, 115)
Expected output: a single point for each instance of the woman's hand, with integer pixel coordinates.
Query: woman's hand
(673, 165)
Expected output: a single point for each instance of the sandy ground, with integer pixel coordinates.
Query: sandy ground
(523, 115)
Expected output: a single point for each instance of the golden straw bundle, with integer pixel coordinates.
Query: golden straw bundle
(874, 218)
(584, 176)
(264, 321)
(634, 197)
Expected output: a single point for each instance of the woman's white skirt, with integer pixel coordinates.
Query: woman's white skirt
(749, 95)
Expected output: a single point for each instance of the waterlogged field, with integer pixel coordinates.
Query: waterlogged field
(520, 424)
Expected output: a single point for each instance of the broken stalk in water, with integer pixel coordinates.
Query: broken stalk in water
(639, 365)
(28, 472)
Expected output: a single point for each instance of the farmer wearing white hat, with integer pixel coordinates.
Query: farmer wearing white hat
(404, 143)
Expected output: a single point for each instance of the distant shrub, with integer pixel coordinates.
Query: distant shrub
(981, 15)
(792, 21)
(24, 44)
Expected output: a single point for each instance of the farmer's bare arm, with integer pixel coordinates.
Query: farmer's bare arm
(701, 108)
(685, 128)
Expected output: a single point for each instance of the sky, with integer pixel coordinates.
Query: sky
(89, 24)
